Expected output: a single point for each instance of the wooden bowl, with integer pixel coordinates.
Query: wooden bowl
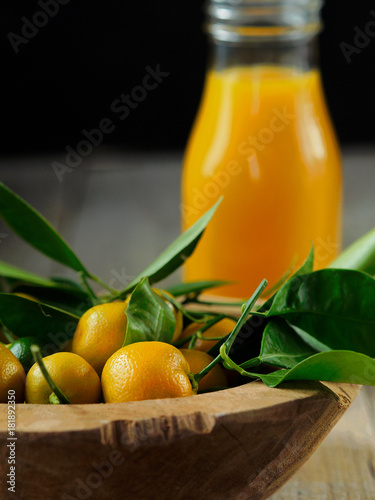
(240, 443)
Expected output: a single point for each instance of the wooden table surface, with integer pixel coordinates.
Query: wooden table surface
(118, 211)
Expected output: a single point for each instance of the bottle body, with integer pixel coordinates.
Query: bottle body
(264, 141)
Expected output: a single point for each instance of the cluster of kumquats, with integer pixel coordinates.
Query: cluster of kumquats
(143, 342)
(94, 366)
(124, 345)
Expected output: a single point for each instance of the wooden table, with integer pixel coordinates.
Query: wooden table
(118, 211)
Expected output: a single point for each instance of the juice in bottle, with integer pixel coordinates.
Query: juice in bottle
(264, 141)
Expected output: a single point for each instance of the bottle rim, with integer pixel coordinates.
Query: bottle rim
(263, 20)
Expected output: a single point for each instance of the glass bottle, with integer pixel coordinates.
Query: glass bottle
(263, 140)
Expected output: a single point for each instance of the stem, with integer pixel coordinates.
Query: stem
(180, 307)
(8, 335)
(201, 315)
(193, 341)
(232, 365)
(115, 293)
(202, 337)
(189, 298)
(246, 311)
(208, 303)
(198, 376)
(251, 362)
(6, 345)
(207, 314)
(90, 291)
(53, 399)
(198, 334)
(201, 318)
(194, 382)
(225, 348)
(38, 359)
(181, 342)
(210, 323)
(258, 313)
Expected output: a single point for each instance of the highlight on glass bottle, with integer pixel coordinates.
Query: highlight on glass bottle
(264, 140)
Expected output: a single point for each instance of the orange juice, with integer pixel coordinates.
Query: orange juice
(264, 141)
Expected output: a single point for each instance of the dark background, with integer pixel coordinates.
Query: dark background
(66, 77)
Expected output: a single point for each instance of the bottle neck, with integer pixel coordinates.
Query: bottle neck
(268, 32)
(299, 57)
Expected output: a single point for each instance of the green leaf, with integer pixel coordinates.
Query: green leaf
(306, 268)
(58, 292)
(176, 254)
(149, 316)
(194, 287)
(360, 255)
(13, 272)
(310, 340)
(35, 229)
(332, 366)
(25, 318)
(18, 274)
(334, 306)
(74, 303)
(282, 346)
(67, 284)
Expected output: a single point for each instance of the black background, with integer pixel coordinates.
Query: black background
(66, 77)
